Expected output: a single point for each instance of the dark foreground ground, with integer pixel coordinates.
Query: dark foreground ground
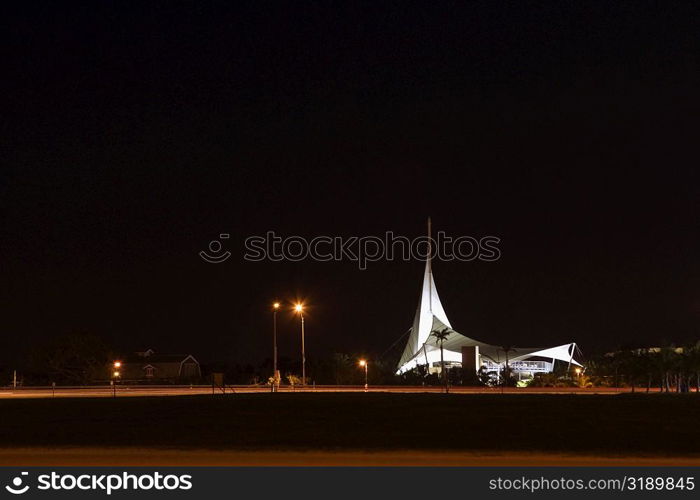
(644, 425)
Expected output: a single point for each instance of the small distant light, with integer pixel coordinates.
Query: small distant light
(117, 364)
(578, 371)
(276, 305)
(116, 374)
(363, 362)
(298, 308)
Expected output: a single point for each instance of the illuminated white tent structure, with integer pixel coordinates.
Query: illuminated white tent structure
(423, 349)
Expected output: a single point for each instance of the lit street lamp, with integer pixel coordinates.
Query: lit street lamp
(115, 375)
(363, 363)
(300, 309)
(275, 378)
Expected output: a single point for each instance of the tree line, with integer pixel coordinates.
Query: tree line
(83, 359)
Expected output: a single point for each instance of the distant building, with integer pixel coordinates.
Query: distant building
(151, 366)
(645, 350)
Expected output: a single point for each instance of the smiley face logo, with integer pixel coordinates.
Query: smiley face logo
(16, 487)
(216, 255)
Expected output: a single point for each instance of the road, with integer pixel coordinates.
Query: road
(145, 457)
(181, 390)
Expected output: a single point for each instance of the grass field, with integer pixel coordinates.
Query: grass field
(662, 425)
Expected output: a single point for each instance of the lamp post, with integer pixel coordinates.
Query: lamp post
(115, 376)
(578, 377)
(300, 309)
(275, 379)
(363, 364)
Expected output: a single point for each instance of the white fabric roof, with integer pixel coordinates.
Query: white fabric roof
(430, 316)
(429, 309)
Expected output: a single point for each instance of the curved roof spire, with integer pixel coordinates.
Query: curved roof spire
(429, 307)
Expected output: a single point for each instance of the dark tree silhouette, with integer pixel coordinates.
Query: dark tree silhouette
(441, 336)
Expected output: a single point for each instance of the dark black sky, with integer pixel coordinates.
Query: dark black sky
(133, 133)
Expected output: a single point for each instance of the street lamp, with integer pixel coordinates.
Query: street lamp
(299, 308)
(115, 375)
(363, 364)
(275, 378)
(578, 371)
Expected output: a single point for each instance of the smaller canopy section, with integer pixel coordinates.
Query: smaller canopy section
(429, 352)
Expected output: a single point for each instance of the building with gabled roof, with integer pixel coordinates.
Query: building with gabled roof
(149, 365)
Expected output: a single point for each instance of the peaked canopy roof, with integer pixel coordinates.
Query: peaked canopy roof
(429, 311)
(430, 316)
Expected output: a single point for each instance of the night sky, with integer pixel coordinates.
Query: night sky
(134, 133)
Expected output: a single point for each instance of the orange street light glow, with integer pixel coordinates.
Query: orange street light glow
(276, 305)
(117, 364)
(363, 362)
(116, 374)
(298, 308)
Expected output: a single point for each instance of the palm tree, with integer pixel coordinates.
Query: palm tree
(506, 372)
(691, 366)
(441, 336)
(668, 364)
(695, 363)
(646, 366)
(633, 364)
